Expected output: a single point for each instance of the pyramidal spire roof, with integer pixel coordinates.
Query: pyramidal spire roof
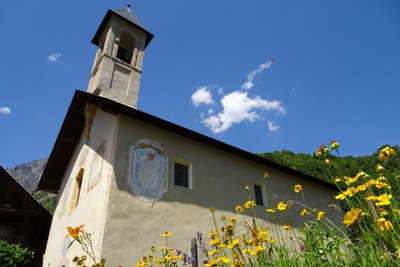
(127, 15)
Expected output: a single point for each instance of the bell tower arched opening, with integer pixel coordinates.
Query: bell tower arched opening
(126, 46)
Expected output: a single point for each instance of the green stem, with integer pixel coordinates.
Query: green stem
(329, 221)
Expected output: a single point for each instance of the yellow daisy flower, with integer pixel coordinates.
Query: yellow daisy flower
(225, 259)
(233, 244)
(249, 204)
(386, 152)
(166, 234)
(334, 144)
(297, 188)
(352, 216)
(239, 208)
(213, 262)
(232, 219)
(321, 215)
(282, 206)
(350, 180)
(215, 242)
(384, 225)
(304, 212)
(382, 200)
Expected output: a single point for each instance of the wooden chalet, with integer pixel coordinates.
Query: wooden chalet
(23, 220)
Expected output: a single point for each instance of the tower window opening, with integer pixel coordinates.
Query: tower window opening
(125, 48)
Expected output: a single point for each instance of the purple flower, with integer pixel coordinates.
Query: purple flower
(199, 236)
(201, 244)
(188, 260)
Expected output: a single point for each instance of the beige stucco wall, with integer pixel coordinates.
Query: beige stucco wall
(91, 209)
(219, 179)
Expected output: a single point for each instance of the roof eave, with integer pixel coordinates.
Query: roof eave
(67, 140)
(64, 147)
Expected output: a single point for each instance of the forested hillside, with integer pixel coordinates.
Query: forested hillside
(318, 168)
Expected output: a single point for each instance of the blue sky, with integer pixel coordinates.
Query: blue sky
(335, 72)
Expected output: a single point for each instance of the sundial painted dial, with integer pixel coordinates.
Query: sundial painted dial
(148, 164)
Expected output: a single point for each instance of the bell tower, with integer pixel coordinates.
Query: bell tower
(117, 68)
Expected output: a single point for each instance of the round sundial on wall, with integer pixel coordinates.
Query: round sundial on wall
(147, 178)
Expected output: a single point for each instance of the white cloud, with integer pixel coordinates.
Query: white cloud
(202, 96)
(250, 77)
(237, 107)
(5, 110)
(54, 58)
(272, 127)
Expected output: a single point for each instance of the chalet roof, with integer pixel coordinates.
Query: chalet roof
(21, 212)
(74, 123)
(18, 196)
(127, 15)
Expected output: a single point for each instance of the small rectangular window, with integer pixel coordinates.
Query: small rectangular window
(259, 196)
(181, 175)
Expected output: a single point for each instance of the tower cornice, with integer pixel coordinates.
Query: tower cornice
(127, 15)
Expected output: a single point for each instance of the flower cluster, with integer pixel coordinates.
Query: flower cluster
(84, 238)
(169, 257)
(372, 216)
(386, 152)
(362, 187)
(321, 152)
(372, 207)
(227, 246)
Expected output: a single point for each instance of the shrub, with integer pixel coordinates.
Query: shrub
(13, 254)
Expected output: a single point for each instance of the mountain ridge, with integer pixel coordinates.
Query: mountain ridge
(28, 174)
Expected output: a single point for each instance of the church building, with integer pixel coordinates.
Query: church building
(129, 176)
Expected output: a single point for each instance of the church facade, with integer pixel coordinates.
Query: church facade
(129, 176)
